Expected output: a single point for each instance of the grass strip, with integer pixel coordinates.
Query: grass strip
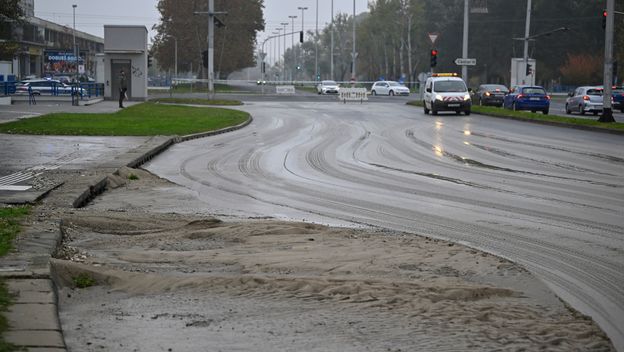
(10, 218)
(196, 101)
(529, 116)
(145, 119)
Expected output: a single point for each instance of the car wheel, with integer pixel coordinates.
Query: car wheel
(545, 112)
(457, 112)
(567, 110)
(622, 111)
(433, 111)
(581, 111)
(391, 93)
(467, 112)
(425, 108)
(374, 93)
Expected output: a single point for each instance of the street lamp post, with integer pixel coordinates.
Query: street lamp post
(331, 50)
(353, 53)
(74, 50)
(279, 48)
(175, 56)
(316, 69)
(303, 30)
(292, 46)
(284, 67)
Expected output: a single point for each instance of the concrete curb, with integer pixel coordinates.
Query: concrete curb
(100, 186)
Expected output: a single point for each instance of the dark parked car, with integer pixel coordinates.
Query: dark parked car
(532, 98)
(618, 98)
(491, 94)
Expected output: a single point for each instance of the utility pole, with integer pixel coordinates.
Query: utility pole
(331, 51)
(607, 81)
(211, 46)
(303, 30)
(75, 54)
(279, 49)
(292, 46)
(284, 67)
(316, 69)
(527, 30)
(353, 53)
(465, 41)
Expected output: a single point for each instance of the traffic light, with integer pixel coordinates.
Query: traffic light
(434, 57)
(263, 67)
(205, 58)
(604, 19)
(300, 36)
(149, 60)
(529, 69)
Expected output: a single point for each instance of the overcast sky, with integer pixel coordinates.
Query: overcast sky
(92, 15)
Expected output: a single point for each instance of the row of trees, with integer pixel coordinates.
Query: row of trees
(392, 41)
(234, 43)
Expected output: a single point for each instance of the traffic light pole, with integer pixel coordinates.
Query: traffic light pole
(262, 66)
(607, 111)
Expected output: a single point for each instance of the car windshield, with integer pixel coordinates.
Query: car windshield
(449, 86)
(495, 88)
(594, 92)
(329, 83)
(534, 90)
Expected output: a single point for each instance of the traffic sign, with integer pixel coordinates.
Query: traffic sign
(433, 37)
(465, 62)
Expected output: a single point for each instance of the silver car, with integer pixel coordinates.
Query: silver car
(47, 87)
(389, 88)
(585, 99)
(327, 87)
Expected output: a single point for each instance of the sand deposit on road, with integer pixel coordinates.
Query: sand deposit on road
(179, 282)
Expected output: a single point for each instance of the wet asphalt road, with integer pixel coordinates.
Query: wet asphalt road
(549, 198)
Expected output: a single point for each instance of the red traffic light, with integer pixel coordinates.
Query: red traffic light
(604, 13)
(434, 52)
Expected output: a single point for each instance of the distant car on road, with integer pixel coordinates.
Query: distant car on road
(328, 87)
(47, 87)
(491, 94)
(532, 98)
(389, 88)
(585, 99)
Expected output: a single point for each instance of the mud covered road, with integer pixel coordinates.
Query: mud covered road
(548, 198)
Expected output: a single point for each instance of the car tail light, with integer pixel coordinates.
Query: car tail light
(585, 97)
(548, 97)
(520, 96)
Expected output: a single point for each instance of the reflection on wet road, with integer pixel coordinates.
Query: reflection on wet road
(551, 199)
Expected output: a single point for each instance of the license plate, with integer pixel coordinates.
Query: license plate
(453, 105)
(536, 99)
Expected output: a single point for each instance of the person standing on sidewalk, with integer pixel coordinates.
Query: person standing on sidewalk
(123, 87)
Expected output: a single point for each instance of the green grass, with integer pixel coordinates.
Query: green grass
(196, 101)
(146, 119)
(529, 116)
(83, 280)
(10, 218)
(10, 226)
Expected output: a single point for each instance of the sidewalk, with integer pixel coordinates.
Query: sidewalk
(33, 318)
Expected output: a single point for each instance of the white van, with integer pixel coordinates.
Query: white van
(446, 92)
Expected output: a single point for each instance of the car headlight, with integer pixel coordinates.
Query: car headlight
(439, 97)
(466, 97)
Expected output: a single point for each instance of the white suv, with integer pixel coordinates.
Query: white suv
(446, 92)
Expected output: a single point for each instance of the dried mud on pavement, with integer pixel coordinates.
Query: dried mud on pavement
(170, 281)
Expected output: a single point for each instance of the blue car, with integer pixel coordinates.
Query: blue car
(532, 98)
(618, 98)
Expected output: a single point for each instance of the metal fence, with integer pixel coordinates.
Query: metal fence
(89, 89)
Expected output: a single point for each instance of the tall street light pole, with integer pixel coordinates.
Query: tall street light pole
(74, 50)
(465, 42)
(353, 53)
(284, 67)
(303, 30)
(607, 111)
(292, 47)
(527, 30)
(316, 70)
(331, 50)
(279, 48)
